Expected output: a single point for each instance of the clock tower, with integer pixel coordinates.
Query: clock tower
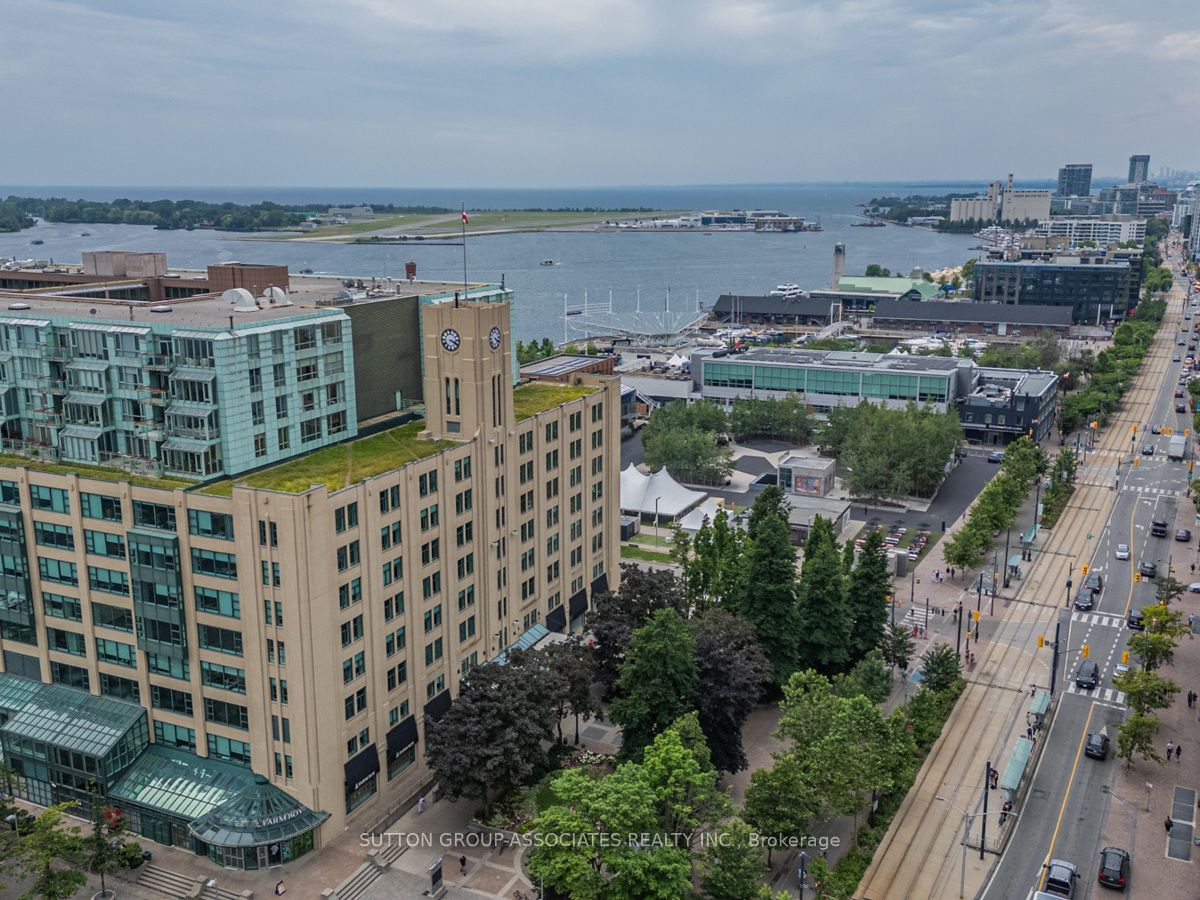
(467, 368)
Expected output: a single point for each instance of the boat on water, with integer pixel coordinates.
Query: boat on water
(85, 234)
(788, 291)
(870, 223)
(37, 241)
(549, 262)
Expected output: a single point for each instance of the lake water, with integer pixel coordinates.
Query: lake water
(692, 266)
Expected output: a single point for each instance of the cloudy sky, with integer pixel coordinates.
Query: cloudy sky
(590, 92)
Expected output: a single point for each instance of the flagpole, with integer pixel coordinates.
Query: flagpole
(464, 243)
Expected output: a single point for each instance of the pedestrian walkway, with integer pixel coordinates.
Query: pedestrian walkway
(1101, 619)
(1109, 696)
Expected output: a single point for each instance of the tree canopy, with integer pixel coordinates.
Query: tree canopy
(682, 437)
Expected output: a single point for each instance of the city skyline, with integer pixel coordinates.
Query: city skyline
(537, 94)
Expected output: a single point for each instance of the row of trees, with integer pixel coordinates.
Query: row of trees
(996, 507)
(1061, 487)
(1145, 689)
(683, 438)
(1157, 279)
(841, 752)
(51, 856)
(1113, 369)
(826, 619)
(888, 454)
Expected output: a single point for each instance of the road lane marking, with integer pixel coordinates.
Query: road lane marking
(1066, 796)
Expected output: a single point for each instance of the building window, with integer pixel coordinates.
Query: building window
(60, 536)
(61, 607)
(228, 749)
(223, 640)
(218, 603)
(49, 499)
(99, 506)
(153, 515)
(284, 438)
(224, 713)
(176, 736)
(310, 430)
(214, 563)
(57, 570)
(116, 652)
(226, 678)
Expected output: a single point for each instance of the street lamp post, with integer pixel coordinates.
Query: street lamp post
(657, 534)
(1054, 664)
(1007, 537)
(968, 818)
(1132, 819)
(958, 635)
(803, 871)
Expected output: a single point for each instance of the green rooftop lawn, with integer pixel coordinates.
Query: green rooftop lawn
(341, 465)
(104, 473)
(539, 396)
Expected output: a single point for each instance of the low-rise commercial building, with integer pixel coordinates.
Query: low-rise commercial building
(827, 379)
(1100, 230)
(1094, 291)
(969, 318)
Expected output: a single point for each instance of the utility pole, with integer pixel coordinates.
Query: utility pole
(987, 783)
(1054, 665)
(1007, 537)
(958, 635)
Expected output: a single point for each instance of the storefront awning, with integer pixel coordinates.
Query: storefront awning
(556, 619)
(362, 768)
(578, 604)
(438, 706)
(261, 814)
(600, 585)
(402, 737)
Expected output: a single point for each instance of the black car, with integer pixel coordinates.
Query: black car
(1134, 621)
(1087, 676)
(1183, 534)
(1085, 599)
(1060, 878)
(1148, 569)
(1158, 528)
(1114, 867)
(1094, 582)
(1180, 408)
(1096, 745)
(1147, 449)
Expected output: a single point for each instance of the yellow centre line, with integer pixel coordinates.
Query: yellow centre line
(1132, 513)
(1067, 796)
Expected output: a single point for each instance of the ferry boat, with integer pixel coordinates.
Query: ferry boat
(788, 291)
(548, 262)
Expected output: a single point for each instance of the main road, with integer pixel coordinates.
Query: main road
(920, 856)
(1066, 805)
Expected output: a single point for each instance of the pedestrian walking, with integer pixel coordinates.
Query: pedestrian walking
(462, 864)
(421, 800)
(1178, 751)
(1170, 748)
(1168, 824)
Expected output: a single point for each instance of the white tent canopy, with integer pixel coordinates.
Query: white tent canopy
(658, 493)
(707, 510)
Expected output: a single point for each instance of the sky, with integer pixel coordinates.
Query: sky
(517, 93)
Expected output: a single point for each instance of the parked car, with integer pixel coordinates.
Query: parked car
(1148, 569)
(1183, 535)
(1134, 621)
(1194, 587)
(1122, 551)
(1096, 745)
(1087, 676)
(1178, 394)
(996, 456)
(1060, 878)
(1175, 358)
(1114, 867)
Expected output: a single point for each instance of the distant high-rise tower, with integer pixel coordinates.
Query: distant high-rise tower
(1139, 168)
(1075, 180)
(839, 265)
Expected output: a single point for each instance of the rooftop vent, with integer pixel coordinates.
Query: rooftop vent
(19, 306)
(241, 299)
(162, 309)
(275, 296)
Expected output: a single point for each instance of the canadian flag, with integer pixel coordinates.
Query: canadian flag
(465, 218)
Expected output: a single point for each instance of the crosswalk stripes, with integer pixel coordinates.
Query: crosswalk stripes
(1161, 492)
(1109, 695)
(1100, 619)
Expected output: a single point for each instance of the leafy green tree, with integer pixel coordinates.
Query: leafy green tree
(874, 270)
(491, 737)
(657, 683)
(940, 669)
(683, 780)
(826, 618)
(867, 589)
(767, 593)
(785, 799)
(1145, 691)
(897, 645)
(785, 419)
(682, 438)
(104, 847)
(869, 677)
(1155, 646)
(964, 548)
(52, 855)
(1137, 735)
(732, 673)
(574, 667)
(1167, 590)
(712, 571)
(732, 867)
(615, 616)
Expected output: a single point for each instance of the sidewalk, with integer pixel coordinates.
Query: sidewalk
(1158, 870)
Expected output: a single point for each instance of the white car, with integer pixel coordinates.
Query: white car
(1122, 551)
(1194, 587)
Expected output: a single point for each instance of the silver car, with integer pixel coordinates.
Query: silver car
(1122, 551)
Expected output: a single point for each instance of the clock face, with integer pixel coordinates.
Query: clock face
(494, 338)
(450, 339)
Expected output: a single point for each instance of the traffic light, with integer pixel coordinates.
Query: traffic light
(1041, 641)
(1084, 567)
(975, 615)
(1135, 427)
(1137, 576)
(1086, 651)
(1125, 658)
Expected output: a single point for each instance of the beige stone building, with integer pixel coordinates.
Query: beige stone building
(277, 645)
